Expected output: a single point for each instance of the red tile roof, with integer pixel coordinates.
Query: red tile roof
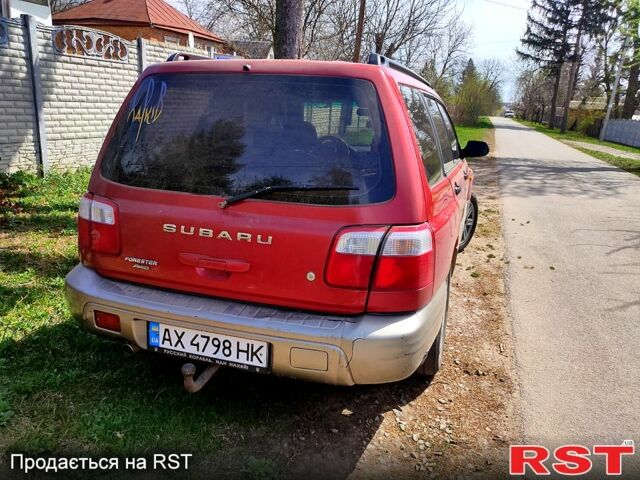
(155, 13)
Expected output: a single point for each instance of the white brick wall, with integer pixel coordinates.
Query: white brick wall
(81, 96)
(158, 52)
(18, 145)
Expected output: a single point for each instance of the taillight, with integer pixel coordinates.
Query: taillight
(406, 260)
(353, 256)
(108, 321)
(397, 263)
(97, 225)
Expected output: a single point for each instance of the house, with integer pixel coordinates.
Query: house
(39, 9)
(149, 19)
(252, 48)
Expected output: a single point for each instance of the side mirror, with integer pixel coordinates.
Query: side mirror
(474, 149)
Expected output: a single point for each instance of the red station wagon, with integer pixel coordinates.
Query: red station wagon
(294, 217)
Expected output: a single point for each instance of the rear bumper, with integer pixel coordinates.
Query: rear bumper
(365, 349)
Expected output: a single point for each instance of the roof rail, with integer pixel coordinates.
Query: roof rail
(180, 56)
(377, 59)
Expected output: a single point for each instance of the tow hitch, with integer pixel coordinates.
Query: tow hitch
(194, 386)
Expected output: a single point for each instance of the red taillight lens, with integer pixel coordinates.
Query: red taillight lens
(108, 321)
(406, 260)
(353, 256)
(97, 225)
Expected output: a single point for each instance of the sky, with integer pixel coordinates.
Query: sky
(497, 26)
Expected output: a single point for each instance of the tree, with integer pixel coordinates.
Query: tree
(591, 86)
(586, 21)
(287, 37)
(445, 56)
(632, 27)
(533, 94)
(62, 5)
(607, 52)
(359, 30)
(545, 42)
(392, 24)
(402, 29)
(475, 95)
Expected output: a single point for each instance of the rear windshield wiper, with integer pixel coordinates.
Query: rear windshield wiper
(279, 188)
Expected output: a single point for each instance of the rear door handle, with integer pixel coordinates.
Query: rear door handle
(219, 264)
(457, 188)
(466, 175)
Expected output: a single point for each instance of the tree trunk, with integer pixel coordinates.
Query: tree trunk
(554, 99)
(631, 98)
(359, 30)
(572, 80)
(378, 40)
(287, 41)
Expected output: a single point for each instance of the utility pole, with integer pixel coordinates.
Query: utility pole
(614, 92)
(359, 30)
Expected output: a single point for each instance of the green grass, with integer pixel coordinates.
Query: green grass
(261, 469)
(628, 164)
(576, 137)
(476, 132)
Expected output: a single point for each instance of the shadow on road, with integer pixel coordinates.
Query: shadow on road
(522, 177)
(550, 167)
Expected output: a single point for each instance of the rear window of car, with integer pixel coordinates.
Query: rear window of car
(226, 134)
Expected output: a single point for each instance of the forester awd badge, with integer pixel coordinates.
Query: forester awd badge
(141, 263)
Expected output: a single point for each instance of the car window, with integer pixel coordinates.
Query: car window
(453, 139)
(448, 153)
(424, 132)
(226, 134)
(344, 119)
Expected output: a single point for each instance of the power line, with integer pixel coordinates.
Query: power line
(496, 2)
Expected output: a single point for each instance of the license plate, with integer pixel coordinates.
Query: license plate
(224, 350)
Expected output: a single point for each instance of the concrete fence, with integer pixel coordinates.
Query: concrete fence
(60, 88)
(626, 132)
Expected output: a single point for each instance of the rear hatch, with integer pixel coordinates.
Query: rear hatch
(184, 142)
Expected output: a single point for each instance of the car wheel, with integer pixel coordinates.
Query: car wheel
(433, 360)
(470, 223)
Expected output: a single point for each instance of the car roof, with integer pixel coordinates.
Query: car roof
(290, 67)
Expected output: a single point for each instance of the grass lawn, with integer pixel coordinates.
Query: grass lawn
(477, 132)
(628, 164)
(576, 137)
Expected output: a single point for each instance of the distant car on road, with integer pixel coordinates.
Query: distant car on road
(509, 114)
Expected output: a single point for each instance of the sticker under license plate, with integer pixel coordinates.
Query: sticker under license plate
(209, 347)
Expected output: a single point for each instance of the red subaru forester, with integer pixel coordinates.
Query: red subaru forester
(294, 217)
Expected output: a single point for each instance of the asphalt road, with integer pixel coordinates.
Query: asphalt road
(572, 231)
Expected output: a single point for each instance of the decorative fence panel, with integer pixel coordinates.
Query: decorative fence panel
(626, 132)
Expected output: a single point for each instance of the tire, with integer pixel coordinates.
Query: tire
(470, 223)
(433, 361)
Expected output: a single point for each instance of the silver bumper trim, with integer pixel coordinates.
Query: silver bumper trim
(332, 349)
